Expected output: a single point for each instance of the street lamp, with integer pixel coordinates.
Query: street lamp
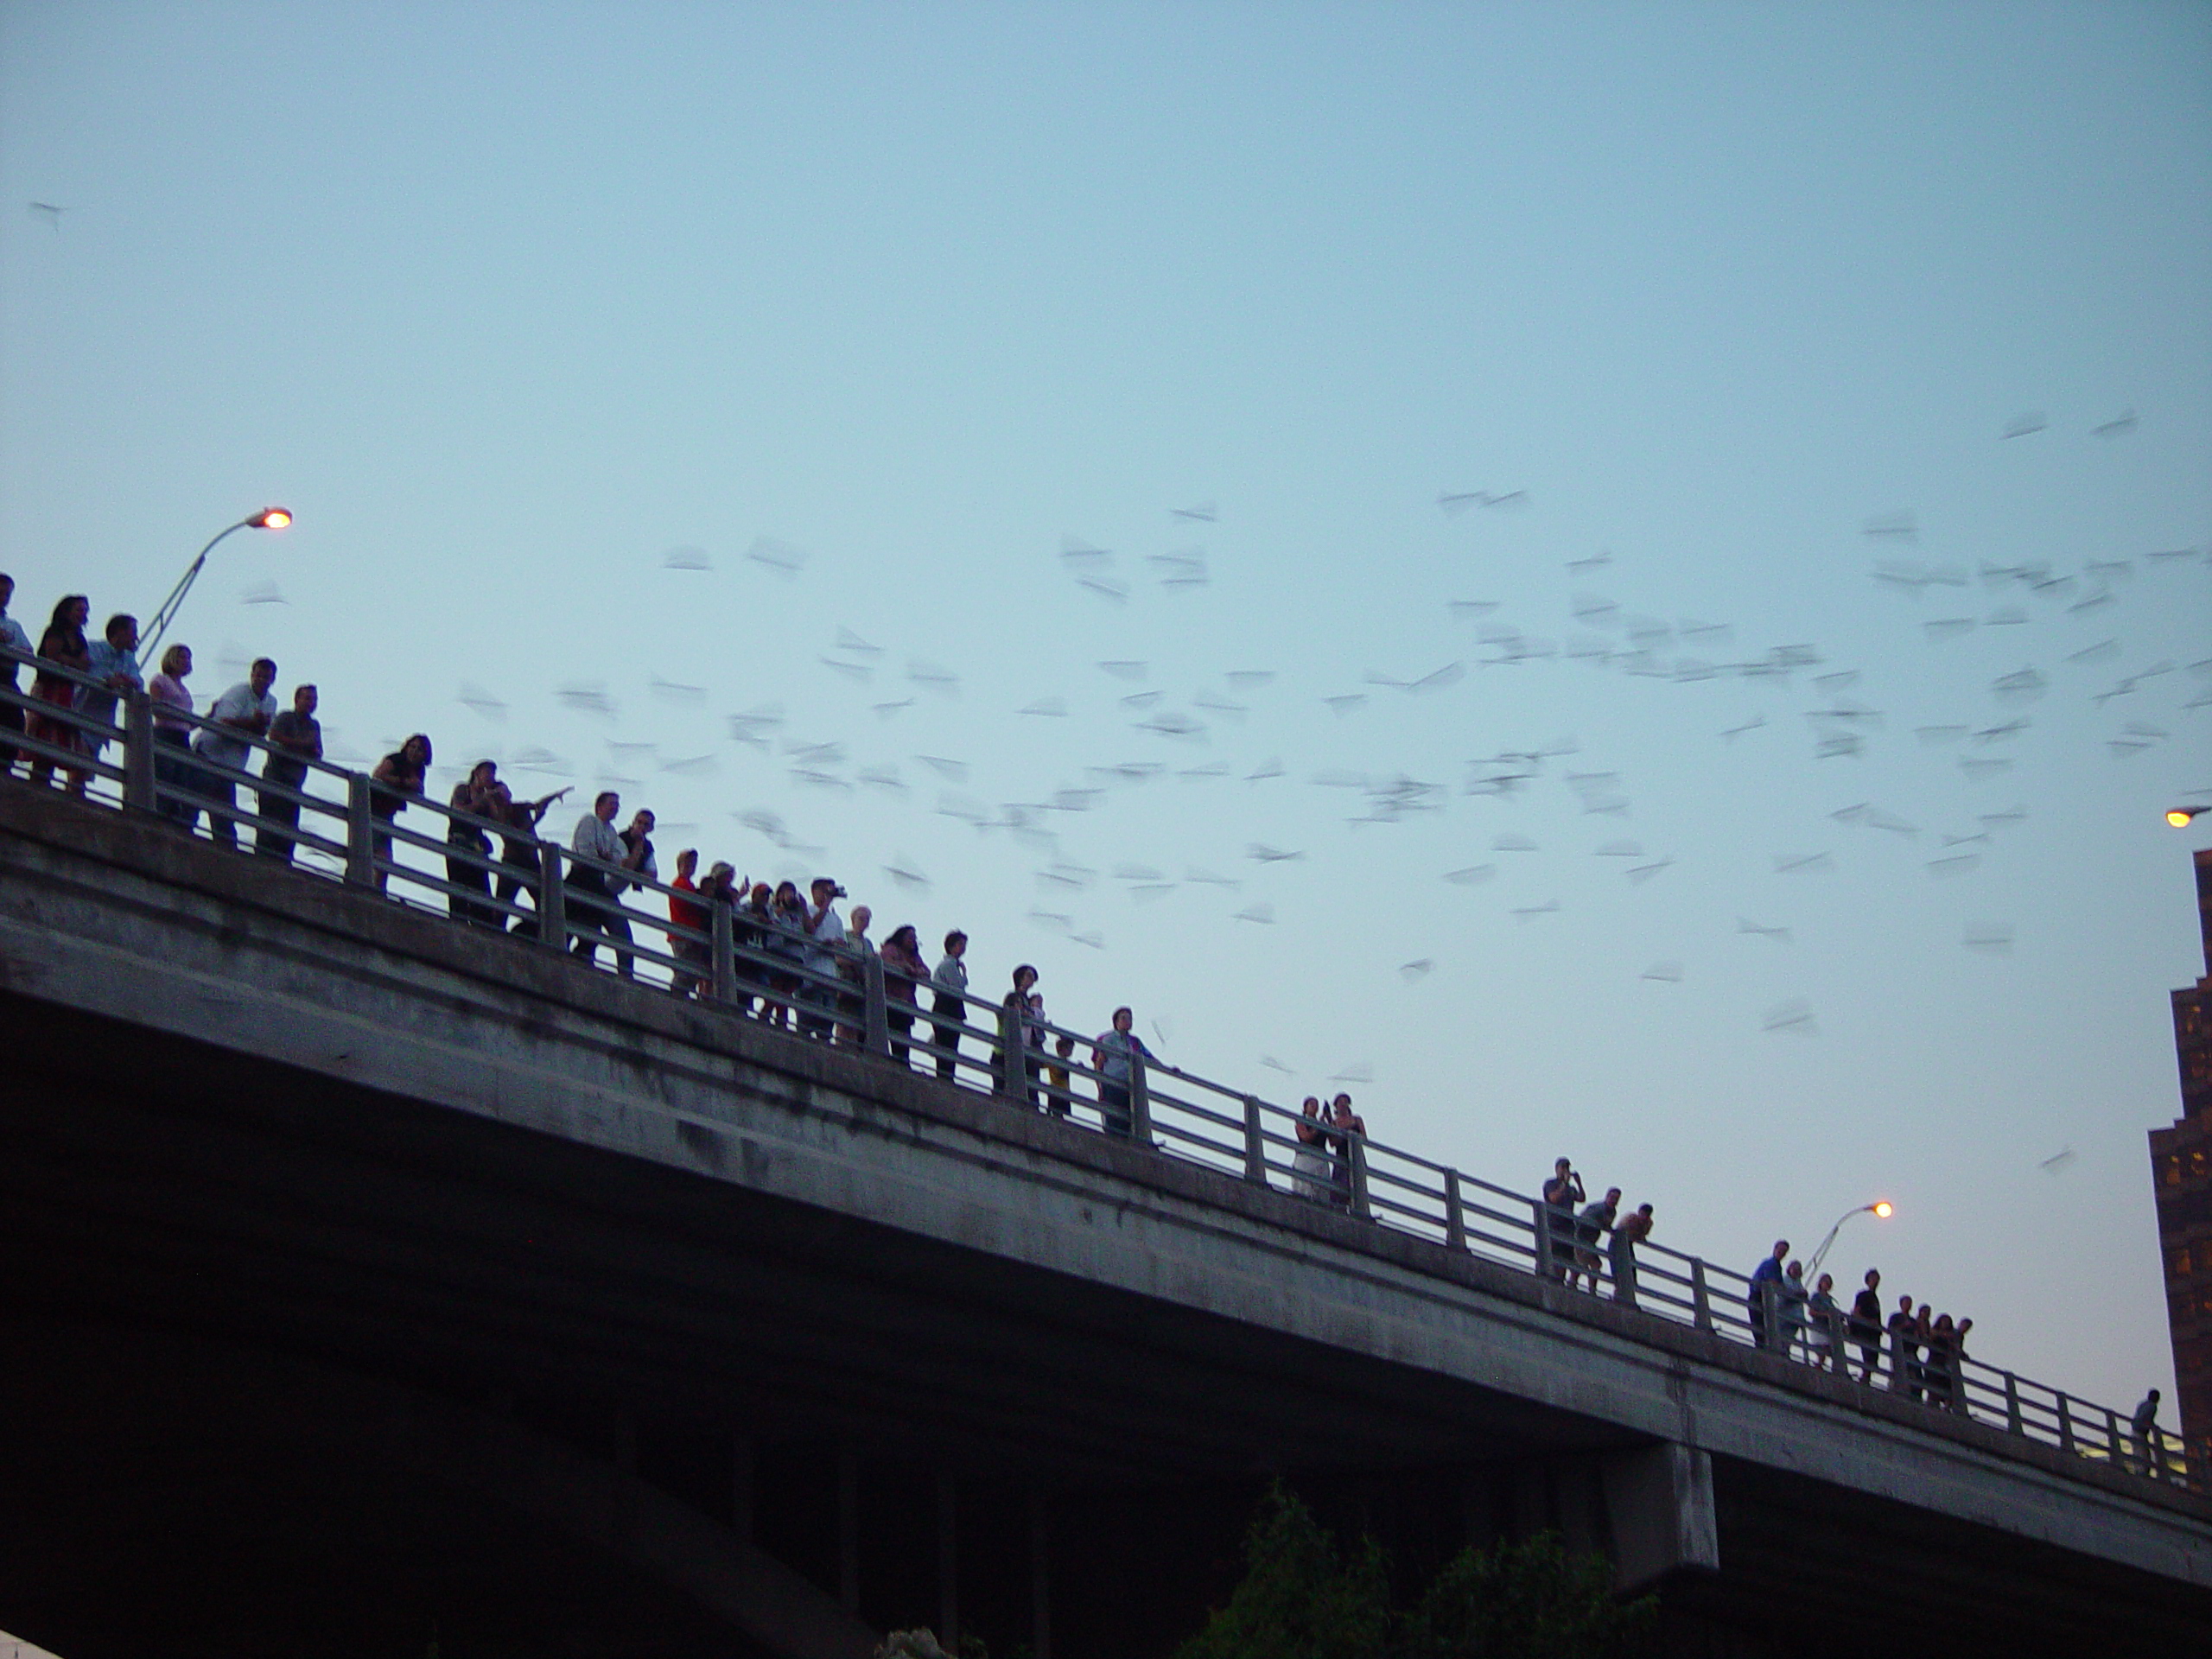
(267, 519)
(2179, 816)
(1880, 1210)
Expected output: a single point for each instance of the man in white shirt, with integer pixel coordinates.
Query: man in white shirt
(596, 877)
(825, 931)
(246, 706)
(950, 996)
(13, 637)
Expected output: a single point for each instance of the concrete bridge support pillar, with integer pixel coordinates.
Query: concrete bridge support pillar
(1659, 1510)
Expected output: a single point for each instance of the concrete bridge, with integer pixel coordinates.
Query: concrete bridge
(370, 1281)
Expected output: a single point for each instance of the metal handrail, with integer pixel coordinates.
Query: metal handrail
(739, 959)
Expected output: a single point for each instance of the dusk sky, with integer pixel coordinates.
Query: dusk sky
(1751, 786)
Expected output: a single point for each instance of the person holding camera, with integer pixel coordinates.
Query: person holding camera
(825, 932)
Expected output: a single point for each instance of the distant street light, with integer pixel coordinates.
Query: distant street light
(267, 519)
(2180, 816)
(1880, 1210)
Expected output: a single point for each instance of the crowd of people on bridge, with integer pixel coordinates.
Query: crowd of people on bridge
(1919, 1351)
(794, 957)
(797, 961)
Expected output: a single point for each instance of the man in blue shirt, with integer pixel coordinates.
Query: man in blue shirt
(1768, 1272)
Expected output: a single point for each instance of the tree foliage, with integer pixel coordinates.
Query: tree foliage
(1530, 1600)
(1300, 1597)
(1304, 1596)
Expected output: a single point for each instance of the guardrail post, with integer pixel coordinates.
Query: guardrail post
(1455, 1213)
(2112, 1440)
(1140, 1101)
(1255, 1147)
(875, 1015)
(1700, 1299)
(139, 751)
(2011, 1404)
(721, 951)
(1770, 1305)
(1013, 1065)
(1355, 1149)
(2065, 1425)
(1543, 1239)
(552, 901)
(360, 841)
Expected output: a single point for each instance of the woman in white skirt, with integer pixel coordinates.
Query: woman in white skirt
(1311, 1168)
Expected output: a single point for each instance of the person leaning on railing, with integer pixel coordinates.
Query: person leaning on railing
(596, 878)
(295, 738)
(1630, 1230)
(246, 706)
(398, 776)
(114, 658)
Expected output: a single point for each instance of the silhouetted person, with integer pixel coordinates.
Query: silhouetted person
(295, 738)
(1905, 1350)
(1867, 1324)
(2149, 1443)
(397, 779)
(1630, 1230)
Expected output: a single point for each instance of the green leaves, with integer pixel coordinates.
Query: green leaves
(1305, 1597)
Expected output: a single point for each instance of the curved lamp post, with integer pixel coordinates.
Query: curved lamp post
(267, 519)
(1880, 1210)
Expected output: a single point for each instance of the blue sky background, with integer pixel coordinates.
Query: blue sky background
(507, 303)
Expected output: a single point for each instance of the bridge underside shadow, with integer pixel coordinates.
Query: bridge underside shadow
(295, 1366)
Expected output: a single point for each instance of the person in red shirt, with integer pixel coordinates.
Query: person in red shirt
(687, 913)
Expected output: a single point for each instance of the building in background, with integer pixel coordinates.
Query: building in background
(2181, 1170)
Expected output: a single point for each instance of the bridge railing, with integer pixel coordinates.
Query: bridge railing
(345, 827)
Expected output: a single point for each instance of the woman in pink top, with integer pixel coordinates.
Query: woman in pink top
(174, 791)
